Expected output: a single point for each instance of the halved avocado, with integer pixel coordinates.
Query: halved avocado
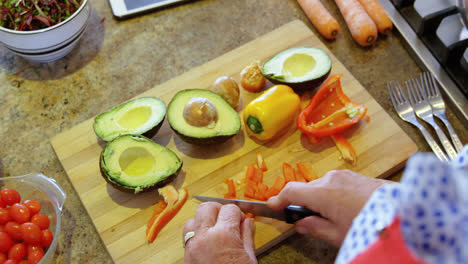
(142, 116)
(134, 163)
(202, 117)
(301, 68)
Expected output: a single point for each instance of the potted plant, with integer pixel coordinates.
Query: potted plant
(42, 30)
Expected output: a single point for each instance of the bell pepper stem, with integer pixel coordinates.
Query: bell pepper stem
(254, 125)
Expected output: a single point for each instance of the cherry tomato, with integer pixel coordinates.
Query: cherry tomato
(10, 196)
(20, 213)
(4, 216)
(2, 229)
(10, 261)
(13, 230)
(33, 206)
(31, 233)
(35, 254)
(5, 242)
(41, 220)
(17, 252)
(2, 205)
(46, 237)
(24, 261)
(3, 257)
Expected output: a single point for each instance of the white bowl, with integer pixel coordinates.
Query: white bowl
(50, 43)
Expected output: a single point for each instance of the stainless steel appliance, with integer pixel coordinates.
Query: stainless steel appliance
(436, 32)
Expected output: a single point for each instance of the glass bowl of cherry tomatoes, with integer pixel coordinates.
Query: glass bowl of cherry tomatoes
(30, 211)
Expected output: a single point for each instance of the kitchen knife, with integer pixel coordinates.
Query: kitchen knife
(290, 214)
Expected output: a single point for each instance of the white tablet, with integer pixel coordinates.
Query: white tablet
(126, 8)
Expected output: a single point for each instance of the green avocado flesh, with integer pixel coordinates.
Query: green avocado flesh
(299, 67)
(139, 116)
(136, 163)
(226, 125)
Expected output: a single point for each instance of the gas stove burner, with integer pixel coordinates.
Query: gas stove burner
(436, 32)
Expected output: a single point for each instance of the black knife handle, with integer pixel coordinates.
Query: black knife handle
(295, 213)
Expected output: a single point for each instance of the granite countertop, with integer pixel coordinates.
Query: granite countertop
(117, 60)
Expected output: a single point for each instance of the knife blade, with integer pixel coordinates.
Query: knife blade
(290, 214)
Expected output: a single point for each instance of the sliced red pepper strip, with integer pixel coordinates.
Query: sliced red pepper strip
(307, 171)
(299, 177)
(249, 215)
(261, 162)
(257, 176)
(330, 111)
(231, 194)
(262, 190)
(249, 190)
(288, 172)
(279, 184)
(250, 173)
(347, 151)
(161, 218)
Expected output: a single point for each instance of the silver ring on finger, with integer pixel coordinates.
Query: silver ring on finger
(187, 237)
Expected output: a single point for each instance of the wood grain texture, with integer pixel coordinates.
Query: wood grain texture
(120, 218)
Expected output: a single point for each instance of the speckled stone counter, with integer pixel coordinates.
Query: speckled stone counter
(116, 60)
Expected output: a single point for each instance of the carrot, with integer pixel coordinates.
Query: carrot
(319, 16)
(361, 26)
(378, 15)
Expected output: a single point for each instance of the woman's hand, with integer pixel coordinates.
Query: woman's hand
(338, 197)
(222, 236)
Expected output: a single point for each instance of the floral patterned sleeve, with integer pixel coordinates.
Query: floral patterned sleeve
(431, 205)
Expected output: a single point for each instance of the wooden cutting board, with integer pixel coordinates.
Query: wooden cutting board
(120, 218)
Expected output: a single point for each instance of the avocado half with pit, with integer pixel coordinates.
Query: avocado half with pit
(202, 117)
(142, 116)
(301, 68)
(134, 163)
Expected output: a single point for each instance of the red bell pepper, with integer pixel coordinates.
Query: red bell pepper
(330, 111)
(165, 210)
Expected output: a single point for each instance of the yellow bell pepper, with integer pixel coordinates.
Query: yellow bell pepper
(271, 112)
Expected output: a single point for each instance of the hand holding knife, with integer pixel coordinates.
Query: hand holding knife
(290, 214)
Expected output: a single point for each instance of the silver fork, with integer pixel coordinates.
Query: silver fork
(423, 110)
(434, 97)
(405, 111)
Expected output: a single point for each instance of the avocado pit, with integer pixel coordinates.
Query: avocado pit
(200, 112)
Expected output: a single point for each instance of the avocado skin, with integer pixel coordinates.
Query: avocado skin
(203, 141)
(127, 189)
(301, 87)
(153, 131)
